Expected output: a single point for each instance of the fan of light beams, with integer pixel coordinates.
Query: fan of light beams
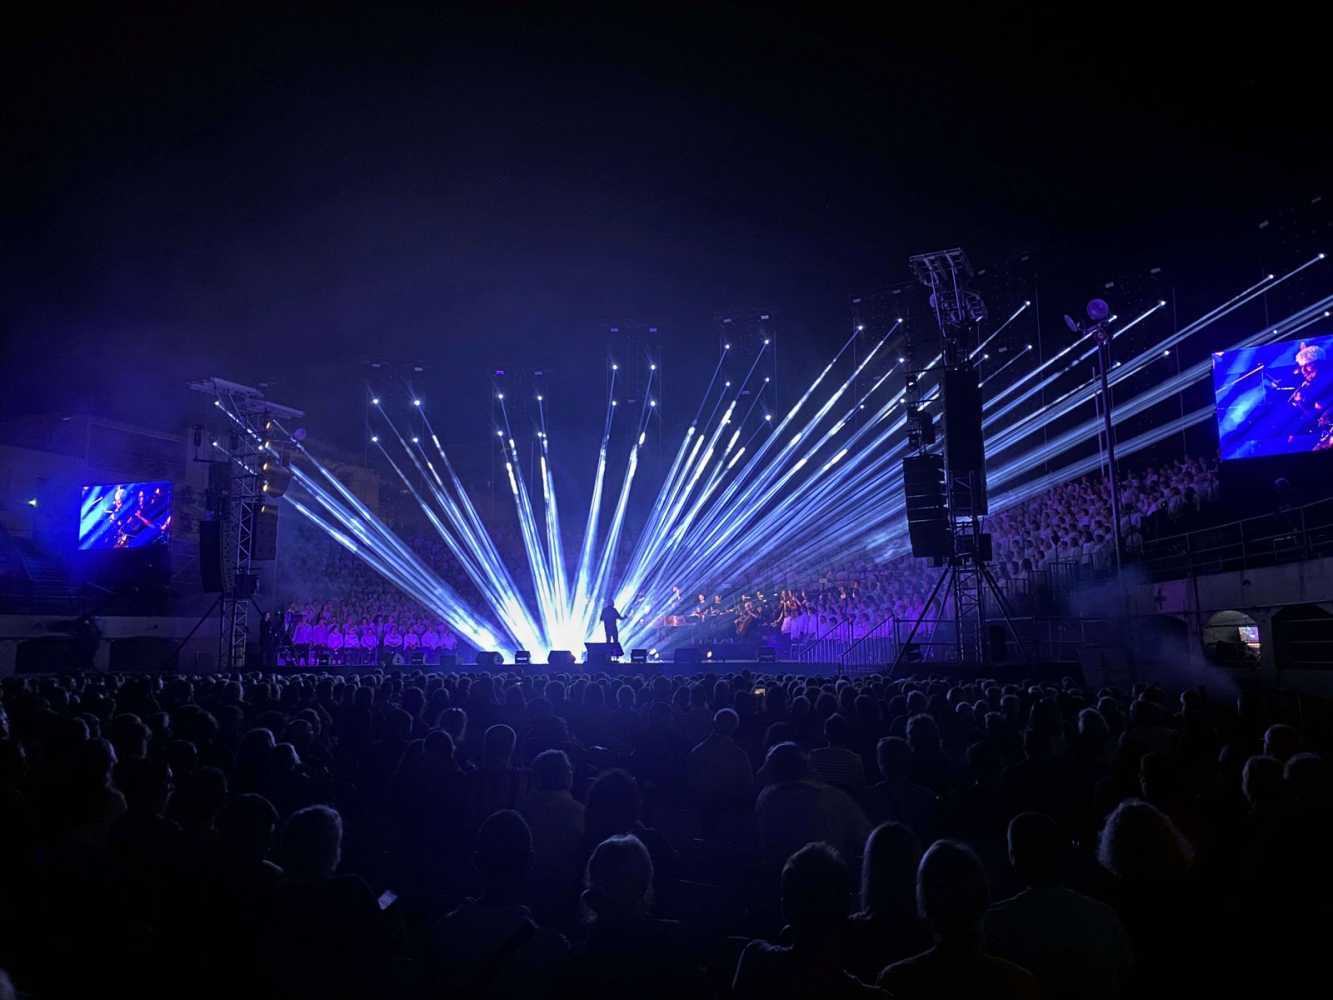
(744, 491)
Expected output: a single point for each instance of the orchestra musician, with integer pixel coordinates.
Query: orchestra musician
(1313, 398)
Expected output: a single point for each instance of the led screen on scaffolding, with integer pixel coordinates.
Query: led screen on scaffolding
(1275, 399)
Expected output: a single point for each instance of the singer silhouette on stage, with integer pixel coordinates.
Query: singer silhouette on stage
(610, 616)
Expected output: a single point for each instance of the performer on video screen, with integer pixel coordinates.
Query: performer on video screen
(1313, 398)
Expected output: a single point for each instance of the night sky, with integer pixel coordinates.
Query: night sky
(282, 198)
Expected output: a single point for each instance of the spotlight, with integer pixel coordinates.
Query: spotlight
(726, 347)
(768, 417)
(860, 328)
(375, 401)
(32, 502)
(416, 402)
(652, 402)
(499, 395)
(415, 439)
(215, 444)
(539, 399)
(766, 378)
(217, 402)
(499, 434)
(614, 403)
(765, 340)
(652, 368)
(902, 361)
(374, 439)
(615, 367)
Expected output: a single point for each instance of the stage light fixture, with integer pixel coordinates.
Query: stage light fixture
(652, 368)
(374, 439)
(416, 402)
(32, 502)
(499, 395)
(415, 439)
(375, 401)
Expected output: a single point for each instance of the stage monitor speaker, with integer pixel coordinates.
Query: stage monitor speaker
(264, 533)
(448, 659)
(767, 654)
(211, 561)
(491, 659)
(687, 655)
(638, 656)
(923, 498)
(522, 657)
(416, 658)
(964, 447)
(599, 653)
(560, 658)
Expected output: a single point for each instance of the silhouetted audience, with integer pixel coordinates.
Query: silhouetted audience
(417, 833)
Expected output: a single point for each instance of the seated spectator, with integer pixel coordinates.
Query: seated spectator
(952, 896)
(837, 763)
(496, 785)
(897, 799)
(888, 927)
(719, 773)
(816, 897)
(628, 953)
(325, 937)
(491, 946)
(1075, 946)
(794, 810)
(556, 820)
(1158, 901)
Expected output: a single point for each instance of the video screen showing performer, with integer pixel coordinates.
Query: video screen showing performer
(124, 515)
(1275, 399)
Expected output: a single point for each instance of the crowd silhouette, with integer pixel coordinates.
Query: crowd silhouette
(426, 834)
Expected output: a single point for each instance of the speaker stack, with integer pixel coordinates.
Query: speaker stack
(964, 447)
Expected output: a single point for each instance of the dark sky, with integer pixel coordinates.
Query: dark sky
(284, 197)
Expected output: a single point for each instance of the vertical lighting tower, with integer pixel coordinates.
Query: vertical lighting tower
(246, 451)
(959, 545)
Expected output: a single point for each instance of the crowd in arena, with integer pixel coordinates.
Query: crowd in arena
(1066, 527)
(428, 834)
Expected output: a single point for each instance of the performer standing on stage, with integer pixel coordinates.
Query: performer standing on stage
(610, 618)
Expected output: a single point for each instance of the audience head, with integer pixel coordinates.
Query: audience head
(1140, 845)
(619, 879)
(246, 825)
(726, 722)
(553, 771)
(312, 843)
(497, 752)
(1035, 849)
(952, 892)
(888, 870)
(816, 892)
(504, 847)
(786, 762)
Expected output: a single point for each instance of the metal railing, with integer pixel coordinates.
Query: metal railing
(1047, 639)
(1291, 535)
